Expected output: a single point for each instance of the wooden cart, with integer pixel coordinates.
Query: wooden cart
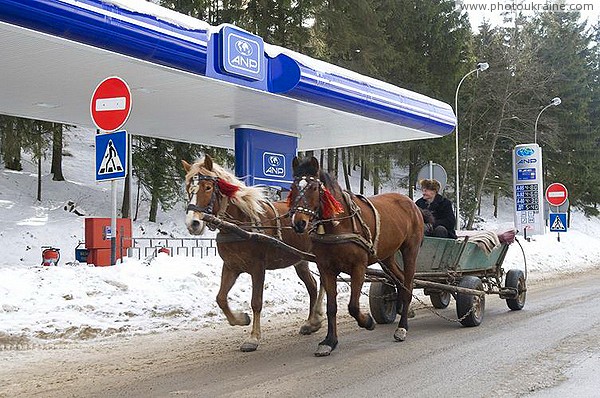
(452, 268)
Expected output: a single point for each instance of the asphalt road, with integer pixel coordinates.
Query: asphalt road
(549, 349)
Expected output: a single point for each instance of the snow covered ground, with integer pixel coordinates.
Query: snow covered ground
(40, 305)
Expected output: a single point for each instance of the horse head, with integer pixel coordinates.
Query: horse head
(205, 191)
(310, 198)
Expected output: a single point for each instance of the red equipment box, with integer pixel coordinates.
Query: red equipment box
(97, 240)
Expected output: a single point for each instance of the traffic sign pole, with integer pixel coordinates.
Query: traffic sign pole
(110, 107)
(113, 223)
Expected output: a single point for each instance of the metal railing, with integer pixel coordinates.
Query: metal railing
(189, 247)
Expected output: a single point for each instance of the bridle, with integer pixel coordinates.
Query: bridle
(300, 203)
(193, 192)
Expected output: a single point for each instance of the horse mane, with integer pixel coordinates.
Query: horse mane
(249, 200)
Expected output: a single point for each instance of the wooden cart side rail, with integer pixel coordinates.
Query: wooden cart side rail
(419, 283)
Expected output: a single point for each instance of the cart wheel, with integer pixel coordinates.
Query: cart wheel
(516, 280)
(466, 302)
(440, 300)
(382, 302)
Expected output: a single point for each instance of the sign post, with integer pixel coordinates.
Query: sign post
(556, 195)
(110, 107)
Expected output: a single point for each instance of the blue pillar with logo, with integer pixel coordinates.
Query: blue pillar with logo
(263, 157)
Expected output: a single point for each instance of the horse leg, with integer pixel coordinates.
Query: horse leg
(357, 279)
(258, 283)
(228, 278)
(325, 347)
(315, 315)
(409, 257)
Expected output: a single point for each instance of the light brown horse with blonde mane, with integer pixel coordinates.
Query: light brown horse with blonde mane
(213, 190)
(349, 233)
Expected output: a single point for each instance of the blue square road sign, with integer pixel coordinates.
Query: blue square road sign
(111, 156)
(558, 222)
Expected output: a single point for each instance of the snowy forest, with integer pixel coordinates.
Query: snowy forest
(425, 46)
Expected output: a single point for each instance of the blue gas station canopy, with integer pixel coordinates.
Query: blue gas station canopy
(194, 82)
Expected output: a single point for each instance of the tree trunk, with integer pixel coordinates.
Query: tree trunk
(153, 208)
(362, 170)
(496, 202)
(39, 178)
(137, 202)
(126, 206)
(57, 144)
(336, 154)
(346, 170)
(412, 170)
(11, 146)
(330, 161)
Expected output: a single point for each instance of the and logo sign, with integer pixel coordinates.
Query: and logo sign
(111, 156)
(273, 165)
(111, 104)
(242, 53)
(556, 194)
(524, 152)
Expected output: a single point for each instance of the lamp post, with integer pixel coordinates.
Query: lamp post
(480, 67)
(555, 102)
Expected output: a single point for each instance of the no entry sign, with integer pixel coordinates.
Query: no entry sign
(556, 194)
(111, 104)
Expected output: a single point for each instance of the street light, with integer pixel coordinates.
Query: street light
(555, 102)
(480, 67)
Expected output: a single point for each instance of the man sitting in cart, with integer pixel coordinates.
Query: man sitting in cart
(441, 209)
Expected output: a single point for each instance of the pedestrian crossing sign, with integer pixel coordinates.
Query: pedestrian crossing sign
(558, 222)
(111, 156)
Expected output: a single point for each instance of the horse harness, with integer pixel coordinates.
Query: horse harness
(361, 236)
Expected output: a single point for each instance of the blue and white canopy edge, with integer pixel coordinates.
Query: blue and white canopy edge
(154, 34)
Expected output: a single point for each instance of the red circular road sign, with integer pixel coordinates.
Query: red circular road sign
(556, 194)
(111, 104)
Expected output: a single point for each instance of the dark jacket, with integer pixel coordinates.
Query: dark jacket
(441, 208)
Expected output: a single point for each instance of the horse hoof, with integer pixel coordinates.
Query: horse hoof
(246, 319)
(323, 350)
(370, 323)
(249, 347)
(400, 334)
(309, 328)
(306, 330)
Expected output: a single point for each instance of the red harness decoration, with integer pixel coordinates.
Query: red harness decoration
(330, 205)
(228, 189)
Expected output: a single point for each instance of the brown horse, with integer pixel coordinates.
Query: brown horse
(212, 190)
(349, 233)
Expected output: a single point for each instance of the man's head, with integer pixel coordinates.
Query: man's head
(430, 188)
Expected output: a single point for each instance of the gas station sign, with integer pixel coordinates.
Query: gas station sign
(528, 188)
